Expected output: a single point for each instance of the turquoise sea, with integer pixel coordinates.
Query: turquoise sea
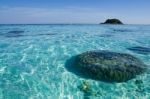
(33, 58)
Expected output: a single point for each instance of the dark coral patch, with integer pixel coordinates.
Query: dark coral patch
(105, 35)
(106, 66)
(14, 34)
(122, 30)
(46, 34)
(140, 50)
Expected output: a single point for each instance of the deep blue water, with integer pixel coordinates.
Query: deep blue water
(33, 57)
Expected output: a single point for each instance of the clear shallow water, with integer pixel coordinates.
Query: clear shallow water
(32, 60)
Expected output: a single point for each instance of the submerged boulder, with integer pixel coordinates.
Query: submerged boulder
(108, 66)
(112, 21)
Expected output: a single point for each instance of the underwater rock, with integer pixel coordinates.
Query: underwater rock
(106, 66)
(112, 21)
(87, 90)
(140, 50)
(85, 87)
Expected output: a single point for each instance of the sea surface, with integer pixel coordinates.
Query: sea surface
(33, 59)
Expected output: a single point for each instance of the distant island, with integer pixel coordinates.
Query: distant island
(112, 21)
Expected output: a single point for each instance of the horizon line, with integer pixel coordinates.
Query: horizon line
(66, 24)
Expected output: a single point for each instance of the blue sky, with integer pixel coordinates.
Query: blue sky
(74, 11)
